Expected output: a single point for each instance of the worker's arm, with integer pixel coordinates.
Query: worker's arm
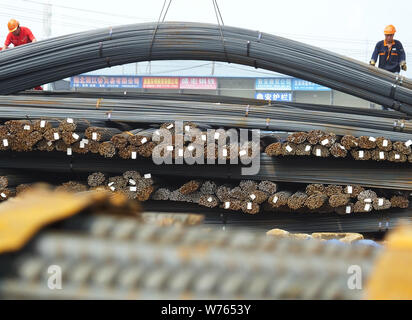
(7, 42)
(34, 40)
(375, 56)
(402, 57)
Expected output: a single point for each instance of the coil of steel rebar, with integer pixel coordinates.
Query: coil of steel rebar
(57, 58)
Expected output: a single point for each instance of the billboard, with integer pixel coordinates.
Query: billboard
(303, 85)
(287, 84)
(160, 83)
(274, 96)
(274, 84)
(90, 81)
(199, 83)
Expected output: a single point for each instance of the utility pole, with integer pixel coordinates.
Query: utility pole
(47, 29)
(47, 17)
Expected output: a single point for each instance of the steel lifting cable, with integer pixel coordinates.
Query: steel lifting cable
(157, 25)
(218, 10)
(220, 24)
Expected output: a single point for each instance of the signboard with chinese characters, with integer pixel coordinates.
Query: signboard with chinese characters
(303, 85)
(90, 81)
(275, 84)
(160, 83)
(198, 83)
(274, 96)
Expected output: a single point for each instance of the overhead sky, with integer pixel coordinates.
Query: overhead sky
(350, 27)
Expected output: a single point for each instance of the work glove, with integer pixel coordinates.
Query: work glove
(403, 66)
(372, 62)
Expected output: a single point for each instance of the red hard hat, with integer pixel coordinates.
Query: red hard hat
(390, 29)
(13, 25)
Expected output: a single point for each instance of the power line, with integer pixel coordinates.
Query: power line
(300, 36)
(111, 14)
(38, 13)
(240, 68)
(183, 69)
(58, 22)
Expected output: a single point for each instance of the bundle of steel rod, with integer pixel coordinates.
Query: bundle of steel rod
(130, 95)
(132, 183)
(68, 136)
(248, 196)
(384, 175)
(320, 144)
(151, 264)
(221, 217)
(252, 197)
(14, 182)
(57, 58)
(343, 237)
(5, 191)
(379, 222)
(218, 99)
(146, 112)
(45, 135)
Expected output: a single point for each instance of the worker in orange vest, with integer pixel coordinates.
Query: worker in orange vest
(390, 52)
(18, 36)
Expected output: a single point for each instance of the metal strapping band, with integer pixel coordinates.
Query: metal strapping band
(110, 33)
(401, 80)
(98, 103)
(101, 49)
(398, 82)
(400, 124)
(393, 91)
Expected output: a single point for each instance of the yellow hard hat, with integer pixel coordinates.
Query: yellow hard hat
(13, 25)
(390, 29)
